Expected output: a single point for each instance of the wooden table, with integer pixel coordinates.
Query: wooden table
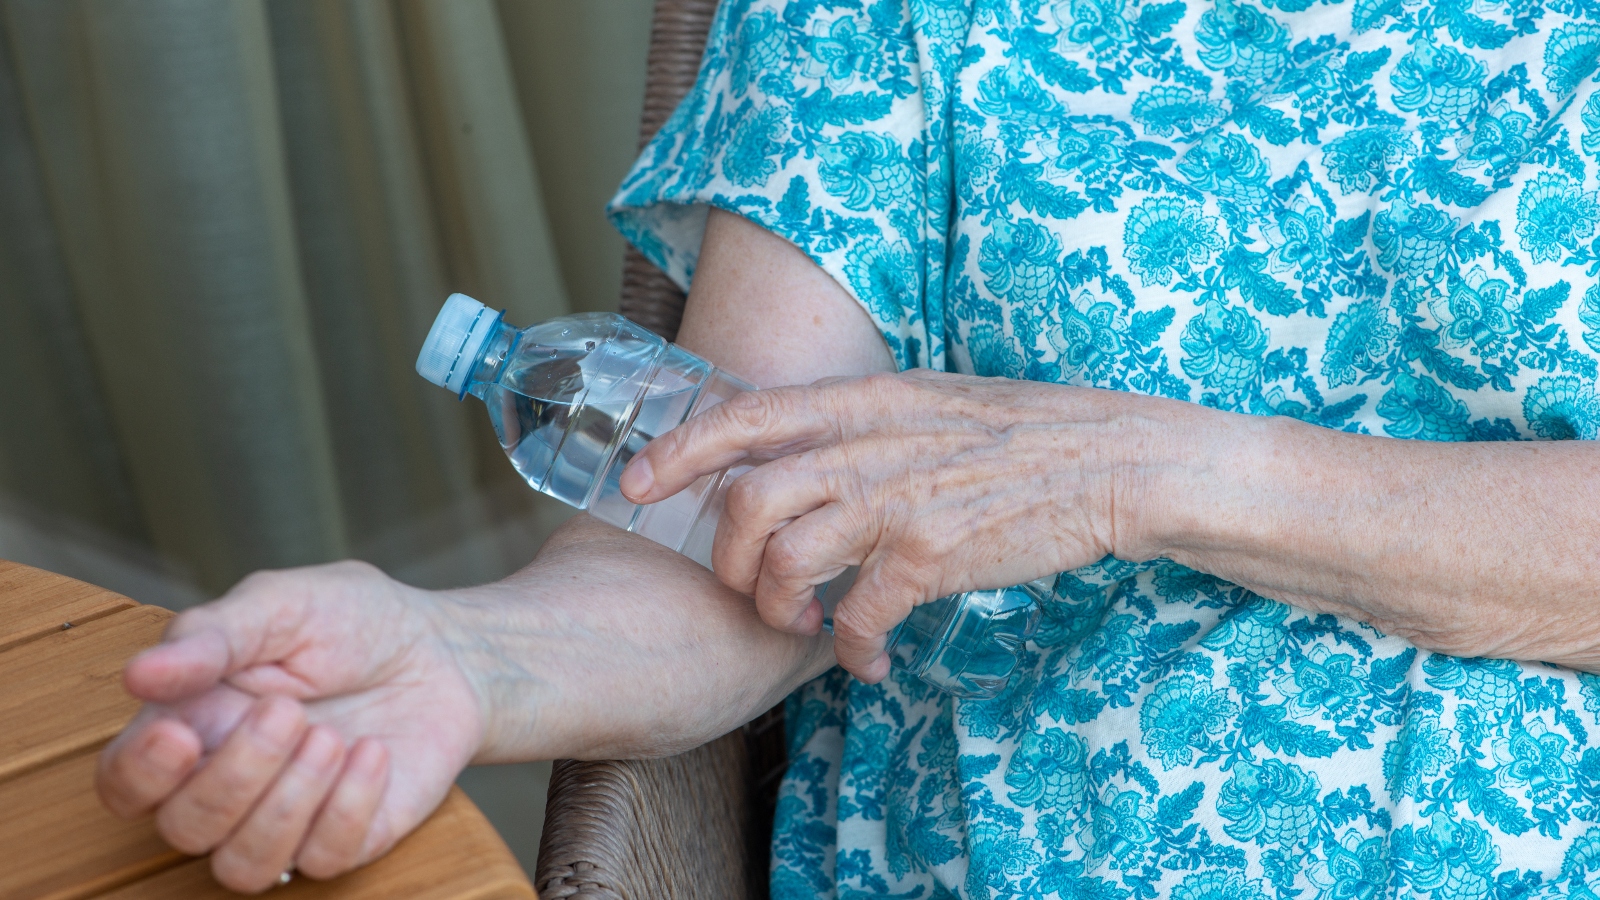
(62, 647)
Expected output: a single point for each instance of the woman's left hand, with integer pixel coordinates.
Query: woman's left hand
(932, 483)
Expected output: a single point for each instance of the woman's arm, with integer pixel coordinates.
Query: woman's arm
(313, 717)
(761, 309)
(937, 483)
(1472, 549)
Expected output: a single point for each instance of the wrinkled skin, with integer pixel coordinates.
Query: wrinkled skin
(313, 717)
(932, 483)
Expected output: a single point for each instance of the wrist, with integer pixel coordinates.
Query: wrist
(1190, 478)
(1145, 451)
(609, 646)
(486, 634)
(1248, 492)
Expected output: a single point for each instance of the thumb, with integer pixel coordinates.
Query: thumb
(253, 624)
(179, 668)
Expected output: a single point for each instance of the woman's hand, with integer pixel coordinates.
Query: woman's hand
(932, 483)
(313, 717)
(308, 718)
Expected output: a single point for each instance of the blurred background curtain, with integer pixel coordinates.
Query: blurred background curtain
(225, 227)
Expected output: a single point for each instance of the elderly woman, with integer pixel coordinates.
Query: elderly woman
(1267, 318)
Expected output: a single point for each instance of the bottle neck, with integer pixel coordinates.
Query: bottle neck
(491, 362)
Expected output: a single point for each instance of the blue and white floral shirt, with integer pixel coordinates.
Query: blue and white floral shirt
(1374, 215)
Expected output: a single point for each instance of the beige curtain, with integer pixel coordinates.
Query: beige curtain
(225, 226)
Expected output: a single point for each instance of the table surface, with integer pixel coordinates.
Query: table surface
(62, 647)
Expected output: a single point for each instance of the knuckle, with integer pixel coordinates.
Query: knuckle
(753, 411)
(787, 557)
(854, 623)
(262, 586)
(114, 796)
(881, 380)
(225, 795)
(334, 846)
(664, 449)
(118, 785)
(885, 385)
(743, 403)
(197, 619)
(746, 499)
(266, 581)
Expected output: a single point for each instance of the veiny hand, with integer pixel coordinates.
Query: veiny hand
(315, 716)
(932, 483)
(309, 718)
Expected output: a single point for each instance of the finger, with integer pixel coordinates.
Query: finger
(145, 764)
(253, 623)
(758, 504)
(216, 798)
(810, 551)
(885, 592)
(343, 837)
(215, 714)
(169, 672)
(758, 424)
(263, 847)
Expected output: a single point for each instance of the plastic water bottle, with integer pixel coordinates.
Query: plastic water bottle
(574, 398)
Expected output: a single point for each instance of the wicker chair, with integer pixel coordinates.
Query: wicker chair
(698, 824)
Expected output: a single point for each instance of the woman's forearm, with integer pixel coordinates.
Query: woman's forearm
(611, 646)
(1486, 549)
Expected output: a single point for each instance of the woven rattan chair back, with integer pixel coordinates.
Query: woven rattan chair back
(677, 40)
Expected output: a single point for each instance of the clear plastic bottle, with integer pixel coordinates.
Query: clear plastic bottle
(574, 398)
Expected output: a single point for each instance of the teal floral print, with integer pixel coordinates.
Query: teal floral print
(1168, 236)
(1562, 407)
(1362, 159)
(1376, 216)
(1554, 215)
(1438, 81)
(1273, 803)
(1183, 715)
(1357, 867)
(1048, 770)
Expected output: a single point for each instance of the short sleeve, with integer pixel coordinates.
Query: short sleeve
(815, 124)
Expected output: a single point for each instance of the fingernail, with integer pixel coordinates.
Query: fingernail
(278, 721)
(637, 479)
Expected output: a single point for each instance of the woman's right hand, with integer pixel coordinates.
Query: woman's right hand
(309, 718)
(313, 717)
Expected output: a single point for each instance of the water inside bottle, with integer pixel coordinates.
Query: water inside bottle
(572, 406)
(560, 402)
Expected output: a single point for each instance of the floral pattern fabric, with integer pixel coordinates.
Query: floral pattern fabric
(1374, 215)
